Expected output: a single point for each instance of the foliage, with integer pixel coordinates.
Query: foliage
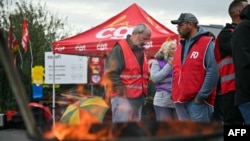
(43, 28)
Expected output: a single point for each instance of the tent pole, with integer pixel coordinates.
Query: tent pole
(53, 96)
(91, 89)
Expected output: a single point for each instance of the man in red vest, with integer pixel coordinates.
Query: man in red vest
(195, 72)
(223, 55)
(241, 58)
(128, 74)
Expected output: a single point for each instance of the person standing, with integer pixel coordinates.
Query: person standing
(195, 72)
(241, 59)
(128, 75)
(161, 75)
(223, 56)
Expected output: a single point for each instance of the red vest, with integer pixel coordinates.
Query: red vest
(135, 79)
(188, 78)
(226, 69)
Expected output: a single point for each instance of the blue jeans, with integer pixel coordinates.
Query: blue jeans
(124, 111)
(165, 113)
(245, 112)
(201, 112)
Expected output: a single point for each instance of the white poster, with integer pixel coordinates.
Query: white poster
(69, 69)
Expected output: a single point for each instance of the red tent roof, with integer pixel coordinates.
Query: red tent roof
(99, 41)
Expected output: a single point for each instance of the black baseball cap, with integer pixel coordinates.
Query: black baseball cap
(185, 17)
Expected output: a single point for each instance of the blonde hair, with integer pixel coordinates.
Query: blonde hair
(165, 47)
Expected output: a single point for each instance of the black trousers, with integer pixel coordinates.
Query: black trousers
(231, 113)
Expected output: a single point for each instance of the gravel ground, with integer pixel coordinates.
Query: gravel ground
(13, 135)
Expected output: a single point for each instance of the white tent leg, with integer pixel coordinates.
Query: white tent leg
(92, 90)
(53, 96)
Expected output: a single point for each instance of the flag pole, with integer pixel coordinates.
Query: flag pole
(31, 55)
(31, 65)
(21, 66)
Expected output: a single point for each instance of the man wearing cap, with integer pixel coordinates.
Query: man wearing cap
(195, 72)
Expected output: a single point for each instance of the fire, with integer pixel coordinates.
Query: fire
(77, 131)
(108, 85)
(76, 128)
(172, 130)
(107, 82)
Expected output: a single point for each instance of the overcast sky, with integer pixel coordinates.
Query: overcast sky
(84, 14)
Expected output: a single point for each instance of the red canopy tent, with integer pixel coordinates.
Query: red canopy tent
(99, 41)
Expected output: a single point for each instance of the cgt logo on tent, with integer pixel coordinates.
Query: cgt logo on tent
(114, 33)
(80, 48)
(60, 48)
(102, 46)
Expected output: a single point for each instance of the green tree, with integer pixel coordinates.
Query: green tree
(43, 28)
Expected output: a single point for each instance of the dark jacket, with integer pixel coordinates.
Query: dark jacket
(241, 57)
(224, 40)
(223, 56)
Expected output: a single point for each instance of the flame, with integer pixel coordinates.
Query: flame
(111, 131)
(107, 82)
(78, 131)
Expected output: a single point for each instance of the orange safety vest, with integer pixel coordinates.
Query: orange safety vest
(188, 78)
(226, 69)
(135, 79)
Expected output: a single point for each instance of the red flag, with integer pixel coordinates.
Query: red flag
(13, 44)
(25, 35)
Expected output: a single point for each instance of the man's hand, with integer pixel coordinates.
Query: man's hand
(197, 101)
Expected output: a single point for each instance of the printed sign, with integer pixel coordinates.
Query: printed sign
(69, 69)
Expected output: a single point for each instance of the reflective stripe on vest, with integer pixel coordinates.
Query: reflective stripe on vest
(136, 87)
(225, 61)
(227, 74)
(130, 76)
(133, 76)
